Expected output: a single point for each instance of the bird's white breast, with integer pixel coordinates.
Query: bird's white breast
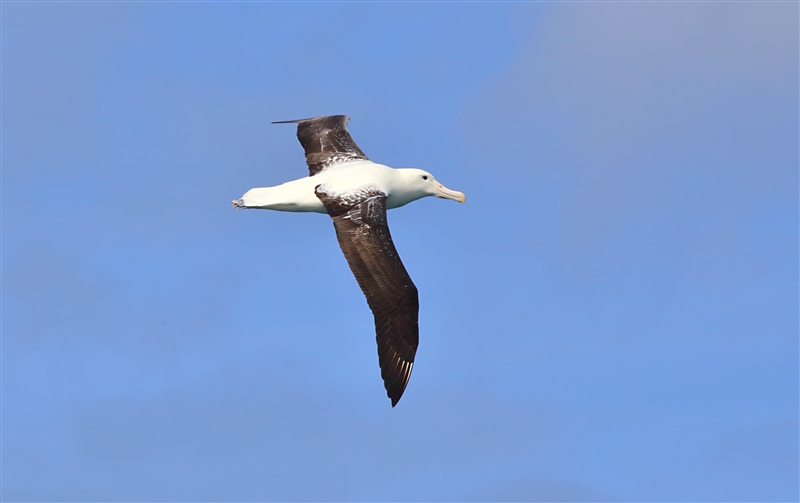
(350, 176)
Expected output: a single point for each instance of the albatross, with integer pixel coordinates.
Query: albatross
(356, 192)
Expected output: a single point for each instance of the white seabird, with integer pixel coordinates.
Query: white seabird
(356, 193)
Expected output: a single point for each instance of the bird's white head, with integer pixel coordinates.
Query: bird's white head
(417, 183)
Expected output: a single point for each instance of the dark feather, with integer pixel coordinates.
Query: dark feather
(326, 142)
(360, 221)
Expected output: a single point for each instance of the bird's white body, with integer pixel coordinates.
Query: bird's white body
(401, 186)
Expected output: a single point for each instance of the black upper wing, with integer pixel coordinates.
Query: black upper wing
(360, 222)
(326, 141)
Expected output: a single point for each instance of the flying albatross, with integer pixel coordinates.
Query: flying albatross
(356, 192)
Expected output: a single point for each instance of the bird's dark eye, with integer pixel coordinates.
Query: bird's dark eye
(424, 177)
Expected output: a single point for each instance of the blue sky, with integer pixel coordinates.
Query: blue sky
(612, 315)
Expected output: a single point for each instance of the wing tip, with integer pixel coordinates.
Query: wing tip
(392, 390)
(298, 121)
(395, 397)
